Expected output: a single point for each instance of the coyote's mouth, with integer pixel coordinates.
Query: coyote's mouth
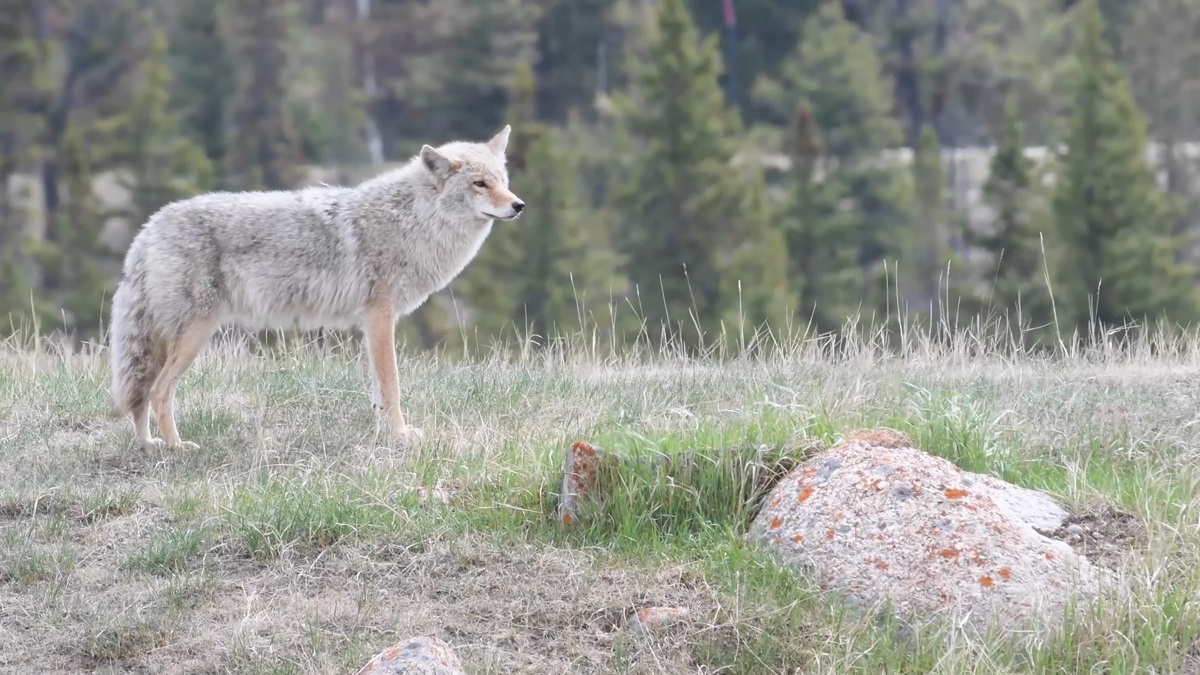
(496, 217)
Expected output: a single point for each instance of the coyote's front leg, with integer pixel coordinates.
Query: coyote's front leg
(385, 378)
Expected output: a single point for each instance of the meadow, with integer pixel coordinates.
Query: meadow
(295, 540)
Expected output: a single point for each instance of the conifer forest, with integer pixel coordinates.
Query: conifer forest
(693, 169)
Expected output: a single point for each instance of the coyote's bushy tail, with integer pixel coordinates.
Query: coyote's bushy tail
(133, 344)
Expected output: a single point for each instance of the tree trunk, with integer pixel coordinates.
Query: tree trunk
(907, 83)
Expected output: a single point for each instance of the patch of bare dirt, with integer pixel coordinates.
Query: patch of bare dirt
(514, 608)
(1104, 534)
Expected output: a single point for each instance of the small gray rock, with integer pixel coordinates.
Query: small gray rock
(423, 655)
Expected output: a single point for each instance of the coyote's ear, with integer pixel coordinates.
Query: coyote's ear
(500, 141)
(438, 164)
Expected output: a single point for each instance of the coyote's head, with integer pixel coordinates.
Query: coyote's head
(471, 178)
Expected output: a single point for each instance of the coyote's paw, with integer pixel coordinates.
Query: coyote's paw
(159, 445)
(154, 445)
(407, 434)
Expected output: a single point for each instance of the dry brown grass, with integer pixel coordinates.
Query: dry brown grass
(292, 541)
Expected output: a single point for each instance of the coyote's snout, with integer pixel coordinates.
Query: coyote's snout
(334, 257)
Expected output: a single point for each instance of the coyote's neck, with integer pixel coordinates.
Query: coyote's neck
(417, 248)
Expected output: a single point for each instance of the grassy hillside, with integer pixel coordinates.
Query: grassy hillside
(294, 540)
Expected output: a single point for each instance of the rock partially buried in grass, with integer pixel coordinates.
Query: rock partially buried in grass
(580, 479)
(654, 619)
(424, 655)
(880, 520)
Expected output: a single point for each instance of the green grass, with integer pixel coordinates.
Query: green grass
(313, 510)
(168, 552)
(294, 541)
(24, 564)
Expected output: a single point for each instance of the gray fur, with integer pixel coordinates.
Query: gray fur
(315, 257)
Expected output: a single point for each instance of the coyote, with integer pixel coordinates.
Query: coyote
(332, 257)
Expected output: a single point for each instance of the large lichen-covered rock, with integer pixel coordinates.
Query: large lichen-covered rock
(877, 519)
(423, 655)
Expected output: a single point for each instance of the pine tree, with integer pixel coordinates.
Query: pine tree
(85, 280)
(822, 237)
(489, 285)
(836, 68)
(931, 232)
(756, 296)
(568, 267)
(446, 66)
(545, 273)
(329, 105)
(21, 64)
(1162, 50)
(204, 78)
(89, 52)
(20, 90)
(265, 150)
(572, 34)
(75, 282)
(479, 59)
(1014, 240)
(767, 30)
(163, 165)
(16, 293)
(1114, 221)
(679, 198)
(835, 71)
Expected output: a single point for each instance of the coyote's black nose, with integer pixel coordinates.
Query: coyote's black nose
(517, 206)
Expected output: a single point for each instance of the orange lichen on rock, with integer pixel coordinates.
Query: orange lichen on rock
(829, 533)
(955, 493)
(805, 494)
(985, 581)
(1004, 573)
(949, 553)
(776, 523)
(581, 479)
(798, 539)
(881, 564)
(392, 652)
(584, 464)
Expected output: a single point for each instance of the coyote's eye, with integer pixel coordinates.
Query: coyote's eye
(480, 184)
